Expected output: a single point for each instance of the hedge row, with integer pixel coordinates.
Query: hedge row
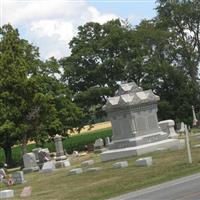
(73, 143)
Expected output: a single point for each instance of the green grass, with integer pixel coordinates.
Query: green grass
(76, 142)
(109, 182)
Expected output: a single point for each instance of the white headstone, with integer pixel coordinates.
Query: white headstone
(2, 172)
(6, 194)
(168, 127)
(144, 162)
(48, 167)
(107, 141)
(98, 143)
(121, 164)
(75, 171)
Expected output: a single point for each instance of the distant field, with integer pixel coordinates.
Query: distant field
(95, 127)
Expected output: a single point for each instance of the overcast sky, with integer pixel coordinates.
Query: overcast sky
(51, 24)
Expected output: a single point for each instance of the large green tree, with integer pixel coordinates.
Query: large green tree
(100, 55)
(34, 103)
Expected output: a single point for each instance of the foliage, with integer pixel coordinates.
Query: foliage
(157, 54)
(34, 103)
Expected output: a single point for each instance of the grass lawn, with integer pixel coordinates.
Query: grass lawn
(109, 182)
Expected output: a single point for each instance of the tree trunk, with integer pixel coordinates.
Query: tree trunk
(24, 144)
(8, 154)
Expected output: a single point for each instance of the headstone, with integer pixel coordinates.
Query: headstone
(75, 171)
(90, 147)
(168, 127)
(87, 163)
(43, 156)
(2, 172)
(121, 164)
(59, 148)
(48, 167)
(144, 162)
(107, 141)
(62, 164)
(18, 177)
(93, 169)
(135, 128)
(182, 128)
(6, 194)
(75, 153)
(26, 192)
(98, 145)
(30, 163)
(36, 151)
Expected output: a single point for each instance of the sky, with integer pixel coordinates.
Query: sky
(51, 24)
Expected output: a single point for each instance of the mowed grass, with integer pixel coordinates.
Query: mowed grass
(109, 182)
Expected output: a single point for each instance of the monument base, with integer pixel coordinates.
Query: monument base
(58, 158)
(142, 149)
(31, 169)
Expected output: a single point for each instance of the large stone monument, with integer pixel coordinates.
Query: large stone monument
(133, 114)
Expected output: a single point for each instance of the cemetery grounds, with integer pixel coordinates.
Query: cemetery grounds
(109, 182)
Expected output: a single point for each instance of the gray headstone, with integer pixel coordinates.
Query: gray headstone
(87, 163)
(93, 169)
(36, 151)
(121, 164)
(144, 162)
(29, 160)
(48, 167)
(44, 155)
(18, 177)
(62, 164)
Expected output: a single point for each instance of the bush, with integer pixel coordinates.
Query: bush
(73, 143)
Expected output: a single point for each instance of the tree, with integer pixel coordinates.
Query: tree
(34, 103)
(183, 20)
(99, 57)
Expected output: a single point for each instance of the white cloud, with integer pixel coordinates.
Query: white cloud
(51, 24)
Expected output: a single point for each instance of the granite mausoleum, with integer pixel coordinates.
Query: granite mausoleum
(133, 114)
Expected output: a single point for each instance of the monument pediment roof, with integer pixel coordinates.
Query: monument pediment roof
(130, 94)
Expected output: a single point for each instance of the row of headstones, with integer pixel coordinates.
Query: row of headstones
(86, 166)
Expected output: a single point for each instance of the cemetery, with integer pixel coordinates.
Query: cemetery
(126, 161)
